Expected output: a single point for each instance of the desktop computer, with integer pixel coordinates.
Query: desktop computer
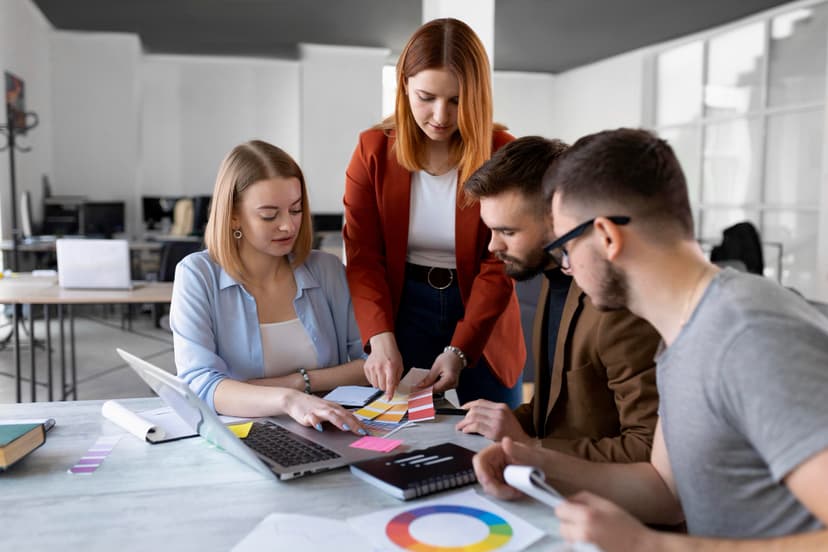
(102, 218)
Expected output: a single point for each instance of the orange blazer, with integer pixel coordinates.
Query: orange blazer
(377, 206)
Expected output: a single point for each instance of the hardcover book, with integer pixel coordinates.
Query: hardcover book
(419, 472)
(18, 440)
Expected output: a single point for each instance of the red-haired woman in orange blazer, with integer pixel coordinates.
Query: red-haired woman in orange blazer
(425, 289)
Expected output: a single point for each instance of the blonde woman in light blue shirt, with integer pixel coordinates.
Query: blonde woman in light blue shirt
(260, 322)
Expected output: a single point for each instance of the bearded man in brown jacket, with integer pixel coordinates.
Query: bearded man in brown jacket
(595, 392)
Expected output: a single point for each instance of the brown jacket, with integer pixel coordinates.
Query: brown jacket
(603, 401)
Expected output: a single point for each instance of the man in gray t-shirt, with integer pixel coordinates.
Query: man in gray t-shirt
(744, 390)
(741, 447)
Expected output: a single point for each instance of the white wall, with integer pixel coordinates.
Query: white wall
(196, 109)
(24, 51)
(523, 102)
(603, 95)
(341, 96)
(477, 14)
(95, 89)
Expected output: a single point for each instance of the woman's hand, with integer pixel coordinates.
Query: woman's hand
(444, 374)
(310, 410)
(384, 366)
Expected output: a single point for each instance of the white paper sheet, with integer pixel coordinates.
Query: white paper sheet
(303, 534)
(532, 481)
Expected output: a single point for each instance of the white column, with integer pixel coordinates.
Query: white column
(478, 14)
(341, 95)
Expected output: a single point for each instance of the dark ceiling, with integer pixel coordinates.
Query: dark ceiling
(530, 35)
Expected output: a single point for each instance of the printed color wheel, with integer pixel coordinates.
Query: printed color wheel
(399, 529)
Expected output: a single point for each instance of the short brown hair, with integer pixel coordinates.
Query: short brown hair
(452, 45)
(519, 165)
(629, 171)
(246, 164)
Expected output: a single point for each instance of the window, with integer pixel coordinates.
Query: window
(744, 109)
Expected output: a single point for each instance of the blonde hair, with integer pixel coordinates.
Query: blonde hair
(246, 164)
(452, 45)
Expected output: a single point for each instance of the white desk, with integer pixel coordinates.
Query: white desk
(183, 495)
(24, 289)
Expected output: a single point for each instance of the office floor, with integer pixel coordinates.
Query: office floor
(101, 372)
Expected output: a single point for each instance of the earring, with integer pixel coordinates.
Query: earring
(237, 234)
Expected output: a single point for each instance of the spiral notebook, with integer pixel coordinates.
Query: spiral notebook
(419, 472)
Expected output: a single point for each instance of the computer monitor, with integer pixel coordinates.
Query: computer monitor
(103, 218)
(156, 209)
(201, 212)
(327, 222)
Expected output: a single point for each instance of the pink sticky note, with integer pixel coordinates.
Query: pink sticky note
(376, 443)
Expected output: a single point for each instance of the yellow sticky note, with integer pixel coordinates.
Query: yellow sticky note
(240, 430)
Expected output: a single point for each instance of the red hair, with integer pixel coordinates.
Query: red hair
(451, 45)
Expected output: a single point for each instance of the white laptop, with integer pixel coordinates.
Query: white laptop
(276, 447)
(93, 264)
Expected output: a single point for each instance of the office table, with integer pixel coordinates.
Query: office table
(181, 495)
(25, 289)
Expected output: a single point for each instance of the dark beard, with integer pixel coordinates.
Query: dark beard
(516, 270)
(614, 289)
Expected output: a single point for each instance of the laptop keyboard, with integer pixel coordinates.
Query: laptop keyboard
(285, 448)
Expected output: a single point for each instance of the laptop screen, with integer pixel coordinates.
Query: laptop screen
(93, 264)
(178, 396)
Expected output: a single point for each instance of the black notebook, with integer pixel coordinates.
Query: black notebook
(419, 472)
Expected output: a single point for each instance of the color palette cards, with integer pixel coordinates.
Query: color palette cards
(96, 454)
(421, 405)
(385, 411)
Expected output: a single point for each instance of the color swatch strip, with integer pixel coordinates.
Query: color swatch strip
(94, 457)
(421, 405)
(380, 406)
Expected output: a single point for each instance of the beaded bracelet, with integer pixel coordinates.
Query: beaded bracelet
(460, 354)
(305, 377)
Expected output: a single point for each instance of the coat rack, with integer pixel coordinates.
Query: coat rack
(11, 130)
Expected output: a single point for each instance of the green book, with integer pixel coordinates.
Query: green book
(18, 440)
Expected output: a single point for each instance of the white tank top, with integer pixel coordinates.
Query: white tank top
(431, 220)
(286, 347)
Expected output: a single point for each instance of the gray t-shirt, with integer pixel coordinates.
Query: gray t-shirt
(744, 401)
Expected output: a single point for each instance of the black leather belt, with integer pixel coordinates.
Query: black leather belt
(436, 277)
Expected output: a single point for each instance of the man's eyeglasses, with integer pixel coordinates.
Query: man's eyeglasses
(557, 250)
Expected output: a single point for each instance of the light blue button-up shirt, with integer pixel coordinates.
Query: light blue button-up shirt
(215, 322)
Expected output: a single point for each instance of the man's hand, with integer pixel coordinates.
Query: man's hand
(444, 374)
(491, 461)
(492, 420)
(384, 367)
(585, 517)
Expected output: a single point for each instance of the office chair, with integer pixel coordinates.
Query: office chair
(740, 244)
(171, 254)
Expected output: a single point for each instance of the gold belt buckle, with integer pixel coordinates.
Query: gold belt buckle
(451, 278)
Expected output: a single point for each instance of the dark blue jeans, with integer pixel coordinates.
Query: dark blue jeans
(425, 325)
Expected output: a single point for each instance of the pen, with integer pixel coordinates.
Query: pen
(396, 429)
(451, 411)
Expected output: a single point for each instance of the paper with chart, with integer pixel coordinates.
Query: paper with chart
(459, 521)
